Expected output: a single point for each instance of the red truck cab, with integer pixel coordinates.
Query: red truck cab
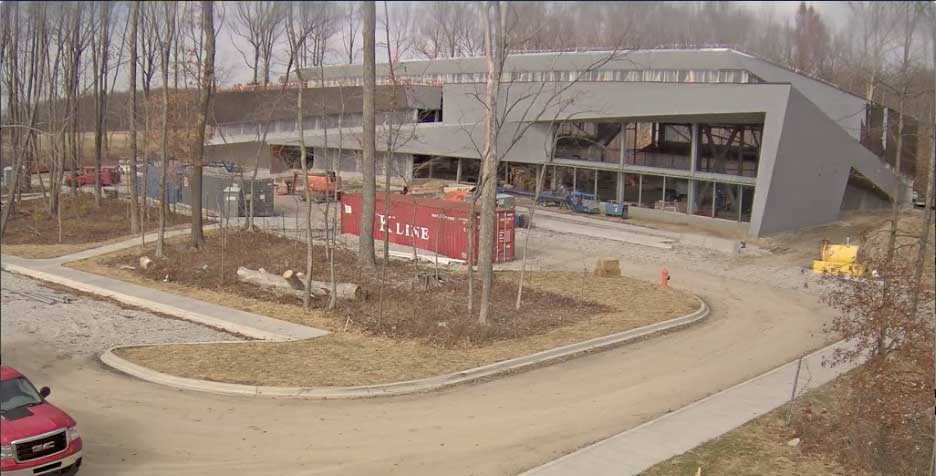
(110, 175)
(36, 437)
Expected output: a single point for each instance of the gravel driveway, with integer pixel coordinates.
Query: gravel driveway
(85, 326)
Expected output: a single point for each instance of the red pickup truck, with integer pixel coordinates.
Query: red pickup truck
(110, 175)
(35, 437)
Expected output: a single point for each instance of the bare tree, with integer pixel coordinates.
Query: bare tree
(447, 29)
(493, 19)
(24, 83)
(148, 54)
(910, 12)
(369, 160)
(397, 23)
(527, 109)
(206, 90)
(165, 47)
(100, 54)
(259, 23)
(135, 226)
(349, 35)
(299, 27)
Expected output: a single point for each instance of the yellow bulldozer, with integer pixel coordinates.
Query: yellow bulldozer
(838, 259)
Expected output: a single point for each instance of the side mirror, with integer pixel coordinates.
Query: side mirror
(44, 392)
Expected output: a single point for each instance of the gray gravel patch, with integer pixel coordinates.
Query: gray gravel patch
(87, 326)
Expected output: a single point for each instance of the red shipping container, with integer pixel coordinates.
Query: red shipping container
(431, 223)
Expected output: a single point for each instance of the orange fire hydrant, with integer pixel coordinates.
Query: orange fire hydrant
(664, 277)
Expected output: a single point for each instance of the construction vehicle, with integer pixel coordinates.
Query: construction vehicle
(322, 186)
(838, 259)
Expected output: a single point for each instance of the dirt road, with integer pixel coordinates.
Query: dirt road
(495, 428)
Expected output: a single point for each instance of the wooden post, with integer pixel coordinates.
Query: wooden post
(799, 366)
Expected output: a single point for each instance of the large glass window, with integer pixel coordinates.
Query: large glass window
(653, 144)
(427, 166)
(585, 180)
(565, 178)
(631, 186)
(589, 141)
(745, 203)
(703, 203)
(471, 169)
(651, 191)
(607, 185)
(729, 149)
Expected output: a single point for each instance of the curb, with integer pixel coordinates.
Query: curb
(801, 388)
(144, 303)
(518, 364)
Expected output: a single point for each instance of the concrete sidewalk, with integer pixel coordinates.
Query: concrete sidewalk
(638, 449)
(232, 320)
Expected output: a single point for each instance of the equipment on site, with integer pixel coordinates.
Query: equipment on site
(581, 202)
(322, 186)
(838, 259)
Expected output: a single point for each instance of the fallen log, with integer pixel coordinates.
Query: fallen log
(293, 286)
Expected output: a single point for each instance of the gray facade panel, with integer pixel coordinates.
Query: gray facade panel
(809, 172)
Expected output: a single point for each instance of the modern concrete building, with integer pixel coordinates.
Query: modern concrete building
(713, 137)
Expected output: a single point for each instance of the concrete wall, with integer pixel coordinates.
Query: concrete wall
(740, 229)
(607, 100)
(803, 183)
(244, 154)
(842, 107)
(858, 197)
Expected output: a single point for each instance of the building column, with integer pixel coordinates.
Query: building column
(693, 165)
(620, 187)
(595, 191)
(690, 207)
(694, 149)
(640, 190)
(553, 180)
(623, 136)
(714, 196)
(458, 171)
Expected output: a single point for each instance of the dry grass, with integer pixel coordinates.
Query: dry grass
(759, 448)
(33, 233)
(359, 357)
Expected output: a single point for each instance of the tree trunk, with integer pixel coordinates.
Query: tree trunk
(895, 198)
(303, 160)
(369, 160)
(207, 86)
(134, 210)
(494, 47)
(291, 283)
(529, 229)
(166, 47)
